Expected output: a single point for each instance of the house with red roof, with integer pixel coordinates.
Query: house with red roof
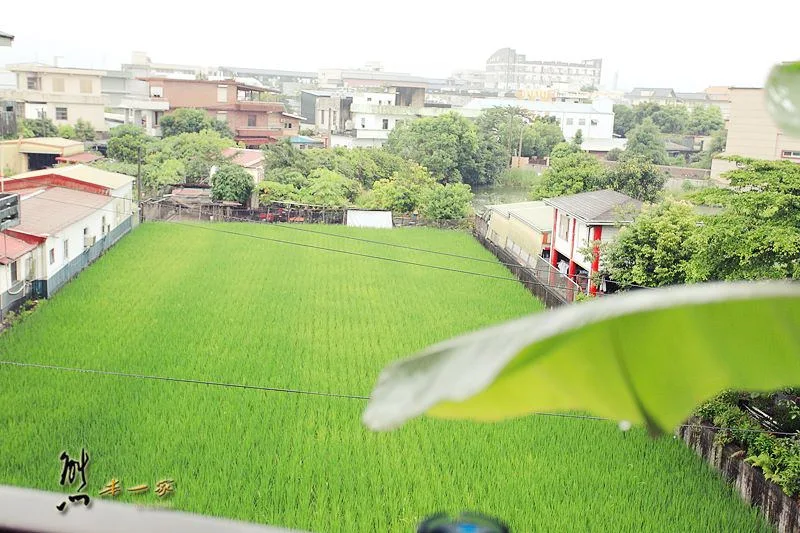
(68, 217)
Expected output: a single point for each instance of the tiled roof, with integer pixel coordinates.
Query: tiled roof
(56, 208)
(12, 248)
(87, 174)
(243, 157)
(599, 207)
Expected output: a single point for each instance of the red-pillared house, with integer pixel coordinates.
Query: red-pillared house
(252, 121)
(580, 221)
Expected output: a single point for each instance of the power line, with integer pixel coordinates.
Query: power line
(493, 261)
(330, 394)
(182, 380)
(335, 250)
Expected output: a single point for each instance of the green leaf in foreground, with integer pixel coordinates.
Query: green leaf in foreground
(648, 357)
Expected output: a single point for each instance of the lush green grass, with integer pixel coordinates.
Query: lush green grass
(193, 303)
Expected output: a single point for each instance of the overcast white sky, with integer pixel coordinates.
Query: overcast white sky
(685, 44)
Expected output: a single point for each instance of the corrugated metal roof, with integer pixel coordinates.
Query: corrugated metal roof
(12, 248)
(243, 157)
(95, 176)
(303, 139)
(599, 207)
(84, 157)
(536, 214)
(54, 209)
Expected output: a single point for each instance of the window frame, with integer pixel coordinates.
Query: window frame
(62, 111)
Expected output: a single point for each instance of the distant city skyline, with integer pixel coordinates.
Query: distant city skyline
(688, 47)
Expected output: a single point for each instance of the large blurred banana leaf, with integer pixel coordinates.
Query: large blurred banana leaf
(647, 357)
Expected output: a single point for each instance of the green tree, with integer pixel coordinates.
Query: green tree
(231, 183)
(671, 119)
(757, 235)
(404, 192)
(329, 188)
(571, 171)
(578, 139)
(446, 145)
(656, 249)
(37, 127)
(192, 121)
(169, 172)
(198, 152)
(84, 131)
(615, 154)
(272, 191)
(637, 177)
(283, 155)
(624, 119)
(125, 140)
(65, 131)
(705, 121)
(645, 140)
(540, 138)
(451, 201)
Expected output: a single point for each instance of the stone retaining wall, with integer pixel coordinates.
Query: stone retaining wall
(778, 508)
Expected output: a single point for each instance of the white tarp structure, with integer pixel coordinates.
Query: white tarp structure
(369, 219)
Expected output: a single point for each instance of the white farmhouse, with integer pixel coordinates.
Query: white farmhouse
(580, 221)
(68, 217)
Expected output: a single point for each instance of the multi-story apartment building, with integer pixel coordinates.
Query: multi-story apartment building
(753, 133)
(507, 71)
(253, 121)
(61, 94)
(129, 102)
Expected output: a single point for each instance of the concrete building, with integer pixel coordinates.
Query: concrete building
(288, 82)
(63, 95)
(579, 220)
(753, 133)
(252, 121)
(23, 155)
(721, 97)
(506, 71)
(129, 102)
(661, 96)
(142, 67)
(6, 39)
(595, 120)
(68, 217)
(523, 229)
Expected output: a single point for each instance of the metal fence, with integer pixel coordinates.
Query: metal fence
(46, 288)
(277, 212)
(540, 277)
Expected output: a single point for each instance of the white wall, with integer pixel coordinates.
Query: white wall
(593, 125)
(112, 214)
(374, 98)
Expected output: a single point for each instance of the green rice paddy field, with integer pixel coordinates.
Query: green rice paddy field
(193, 302)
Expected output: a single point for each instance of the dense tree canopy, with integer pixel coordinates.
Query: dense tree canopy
(231, 183)
(37, 127)
(571, 171)
(84, 131)
(637, 177)
(645, 141)
(674, 119)
(656, 249)
(192, 121)
(757, 235)
(447, 146)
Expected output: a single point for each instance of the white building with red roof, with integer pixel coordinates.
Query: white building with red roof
(68, 217)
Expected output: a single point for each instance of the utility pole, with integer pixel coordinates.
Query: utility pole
(139, 184)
